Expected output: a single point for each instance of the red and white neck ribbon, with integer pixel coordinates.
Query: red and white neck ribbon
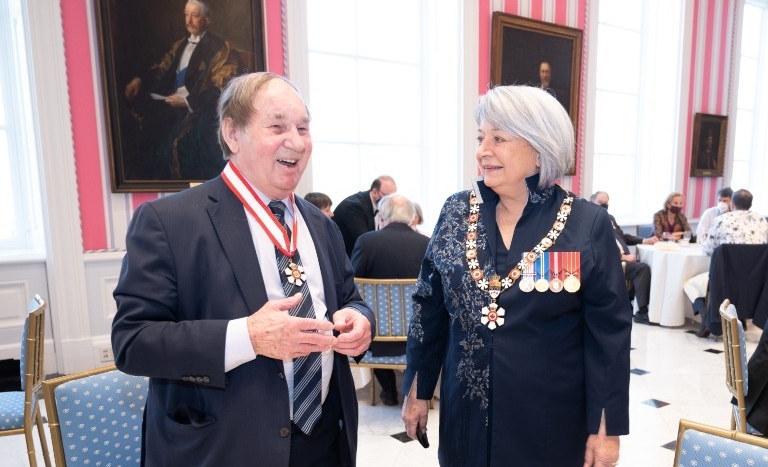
(261, 212)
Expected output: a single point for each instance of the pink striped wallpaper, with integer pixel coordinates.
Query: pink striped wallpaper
(710, 71)
(711, 48)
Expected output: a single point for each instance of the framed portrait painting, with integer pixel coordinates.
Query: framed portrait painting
(708, 153)
(535, 53)
(163, 66)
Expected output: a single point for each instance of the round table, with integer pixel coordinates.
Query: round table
(671, 264)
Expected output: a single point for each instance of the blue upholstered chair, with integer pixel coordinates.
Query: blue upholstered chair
(736, 374)
(703, 445)
(20, 410)
(390, 300)
(95, 417)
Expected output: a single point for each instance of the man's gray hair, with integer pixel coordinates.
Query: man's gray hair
(205, 10)
(396, 208)
(535, 116)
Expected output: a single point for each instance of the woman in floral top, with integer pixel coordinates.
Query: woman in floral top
(521, 304)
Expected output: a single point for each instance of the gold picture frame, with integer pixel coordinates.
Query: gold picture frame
(708, 148)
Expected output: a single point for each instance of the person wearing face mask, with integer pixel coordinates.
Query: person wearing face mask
(738, 226)
(723, 206)
(671, 219)
(636, 272)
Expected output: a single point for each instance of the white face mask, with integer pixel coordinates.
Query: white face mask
(723, 207)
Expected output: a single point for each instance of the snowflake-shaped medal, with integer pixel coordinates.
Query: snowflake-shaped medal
(493, 316)
(295, 274)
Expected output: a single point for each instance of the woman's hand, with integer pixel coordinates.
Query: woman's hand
(602, 450)
(415, 412)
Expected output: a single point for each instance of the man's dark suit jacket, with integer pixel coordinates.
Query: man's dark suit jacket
(354, 216)
(190, 268)
(628, 238)
(740, 274)
(757, 386)
(394, 252)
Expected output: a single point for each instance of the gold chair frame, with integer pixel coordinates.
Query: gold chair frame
(49, 388)
(733, 369)
(721, 432)
(34, 373)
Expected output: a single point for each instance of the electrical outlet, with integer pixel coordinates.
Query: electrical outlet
(105, 354)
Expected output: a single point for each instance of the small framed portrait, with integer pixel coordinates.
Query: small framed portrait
(163, 66)
(708, 153)
(535, 53)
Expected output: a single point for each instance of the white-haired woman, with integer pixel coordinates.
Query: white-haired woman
(521, 303)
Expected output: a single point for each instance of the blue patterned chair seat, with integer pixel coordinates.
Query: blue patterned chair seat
(11, 410)
(702, 445)
(395, 360)
(98, 417)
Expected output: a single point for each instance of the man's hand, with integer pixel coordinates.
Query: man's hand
(651, 240)
(176, 101)
(355, 332)
(132, 89)
(276, 334)
(629, 258)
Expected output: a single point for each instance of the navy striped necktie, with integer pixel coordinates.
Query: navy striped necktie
(307, 374)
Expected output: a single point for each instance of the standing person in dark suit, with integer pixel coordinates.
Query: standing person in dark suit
(756, 399)
(356, 214)
(237, 300)
(175, 103)
(393, 252)
(638, 273)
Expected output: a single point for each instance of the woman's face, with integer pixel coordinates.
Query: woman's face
(504, 160)
(676, 201)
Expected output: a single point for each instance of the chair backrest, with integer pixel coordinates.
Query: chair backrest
(735, 352)
(390, 300)
(32, 364)
(645, 230)
(699, 444)
(740, 274)
(95, 417)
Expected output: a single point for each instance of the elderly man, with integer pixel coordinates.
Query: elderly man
(238, 301)
(739, 226)
(175, 102)
(639, 274)
(356, 214)
(394, 252)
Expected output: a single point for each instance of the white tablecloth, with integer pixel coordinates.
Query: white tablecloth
(671, 264)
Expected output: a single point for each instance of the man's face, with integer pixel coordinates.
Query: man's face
(387, 188)
(724, 199)
(710, 142)
(601, 199)
(545, 73)
(273, 149)
(195, 22)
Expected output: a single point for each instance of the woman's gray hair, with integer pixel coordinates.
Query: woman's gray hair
(535, 116)
(396, 208)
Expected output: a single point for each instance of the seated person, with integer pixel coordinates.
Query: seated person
(671, 219)
(639, 274)
(321, 201)
(739, 226)
(393, 252)
(723, 206)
